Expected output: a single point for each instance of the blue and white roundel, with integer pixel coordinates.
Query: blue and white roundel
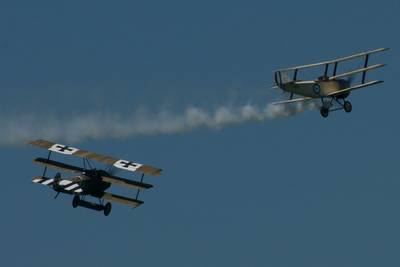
(317, 89)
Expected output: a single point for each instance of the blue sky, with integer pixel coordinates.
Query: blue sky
(297, 191)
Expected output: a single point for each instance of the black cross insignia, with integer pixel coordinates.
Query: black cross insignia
(64, 148)
(127, 164)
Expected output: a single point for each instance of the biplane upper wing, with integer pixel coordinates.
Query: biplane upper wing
(359, 86)
(335, 60)
(118, 163)
(121, 199)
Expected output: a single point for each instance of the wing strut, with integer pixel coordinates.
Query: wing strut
(138, 191)
(326, 70)
(45, 167)
(365, 66)
(335, 69)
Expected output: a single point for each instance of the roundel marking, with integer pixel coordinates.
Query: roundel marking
(317, 88)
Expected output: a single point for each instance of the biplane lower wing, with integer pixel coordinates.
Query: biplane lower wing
(359, 86)
(121, 199)
(65, 186)
(126, 182)
(58, 165)
(292, 101)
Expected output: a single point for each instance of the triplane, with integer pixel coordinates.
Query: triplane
(331, 87)
(90, 181)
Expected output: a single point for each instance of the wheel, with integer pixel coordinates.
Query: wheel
(107, 209)
(324, 112)
(347, 106)
(75, 201)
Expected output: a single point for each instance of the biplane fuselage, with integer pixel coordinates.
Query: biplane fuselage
(326, 87)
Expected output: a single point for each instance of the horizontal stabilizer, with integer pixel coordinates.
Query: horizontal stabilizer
(43, 180)
(64, 186)
(122, 200)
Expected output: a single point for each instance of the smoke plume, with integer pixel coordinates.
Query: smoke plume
(103, 125)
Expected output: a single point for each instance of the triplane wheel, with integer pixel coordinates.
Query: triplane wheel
(324, 112)
(107, 209)
(347, 106)
(75, 201)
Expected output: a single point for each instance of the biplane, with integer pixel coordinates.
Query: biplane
(89, 181)
(332, 88)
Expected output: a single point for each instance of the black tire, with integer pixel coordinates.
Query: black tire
(107, 209)
(324, 112)
(75, 201)
(347, 106)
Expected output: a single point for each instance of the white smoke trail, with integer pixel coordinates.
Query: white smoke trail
(100, 125)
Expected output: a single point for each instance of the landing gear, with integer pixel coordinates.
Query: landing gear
(347, 106)
(78, 202)
(327, 106)
(75, 201)
(324, 112)
(107, 209)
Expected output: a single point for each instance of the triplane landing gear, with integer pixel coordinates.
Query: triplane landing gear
(77, 201)
(327, 106)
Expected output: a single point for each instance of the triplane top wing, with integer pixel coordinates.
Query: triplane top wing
(118, 163)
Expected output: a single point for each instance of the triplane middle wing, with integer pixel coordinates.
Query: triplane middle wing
(331, 87)
(90, 181)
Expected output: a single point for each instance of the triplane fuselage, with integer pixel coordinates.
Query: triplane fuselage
(331, 87)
